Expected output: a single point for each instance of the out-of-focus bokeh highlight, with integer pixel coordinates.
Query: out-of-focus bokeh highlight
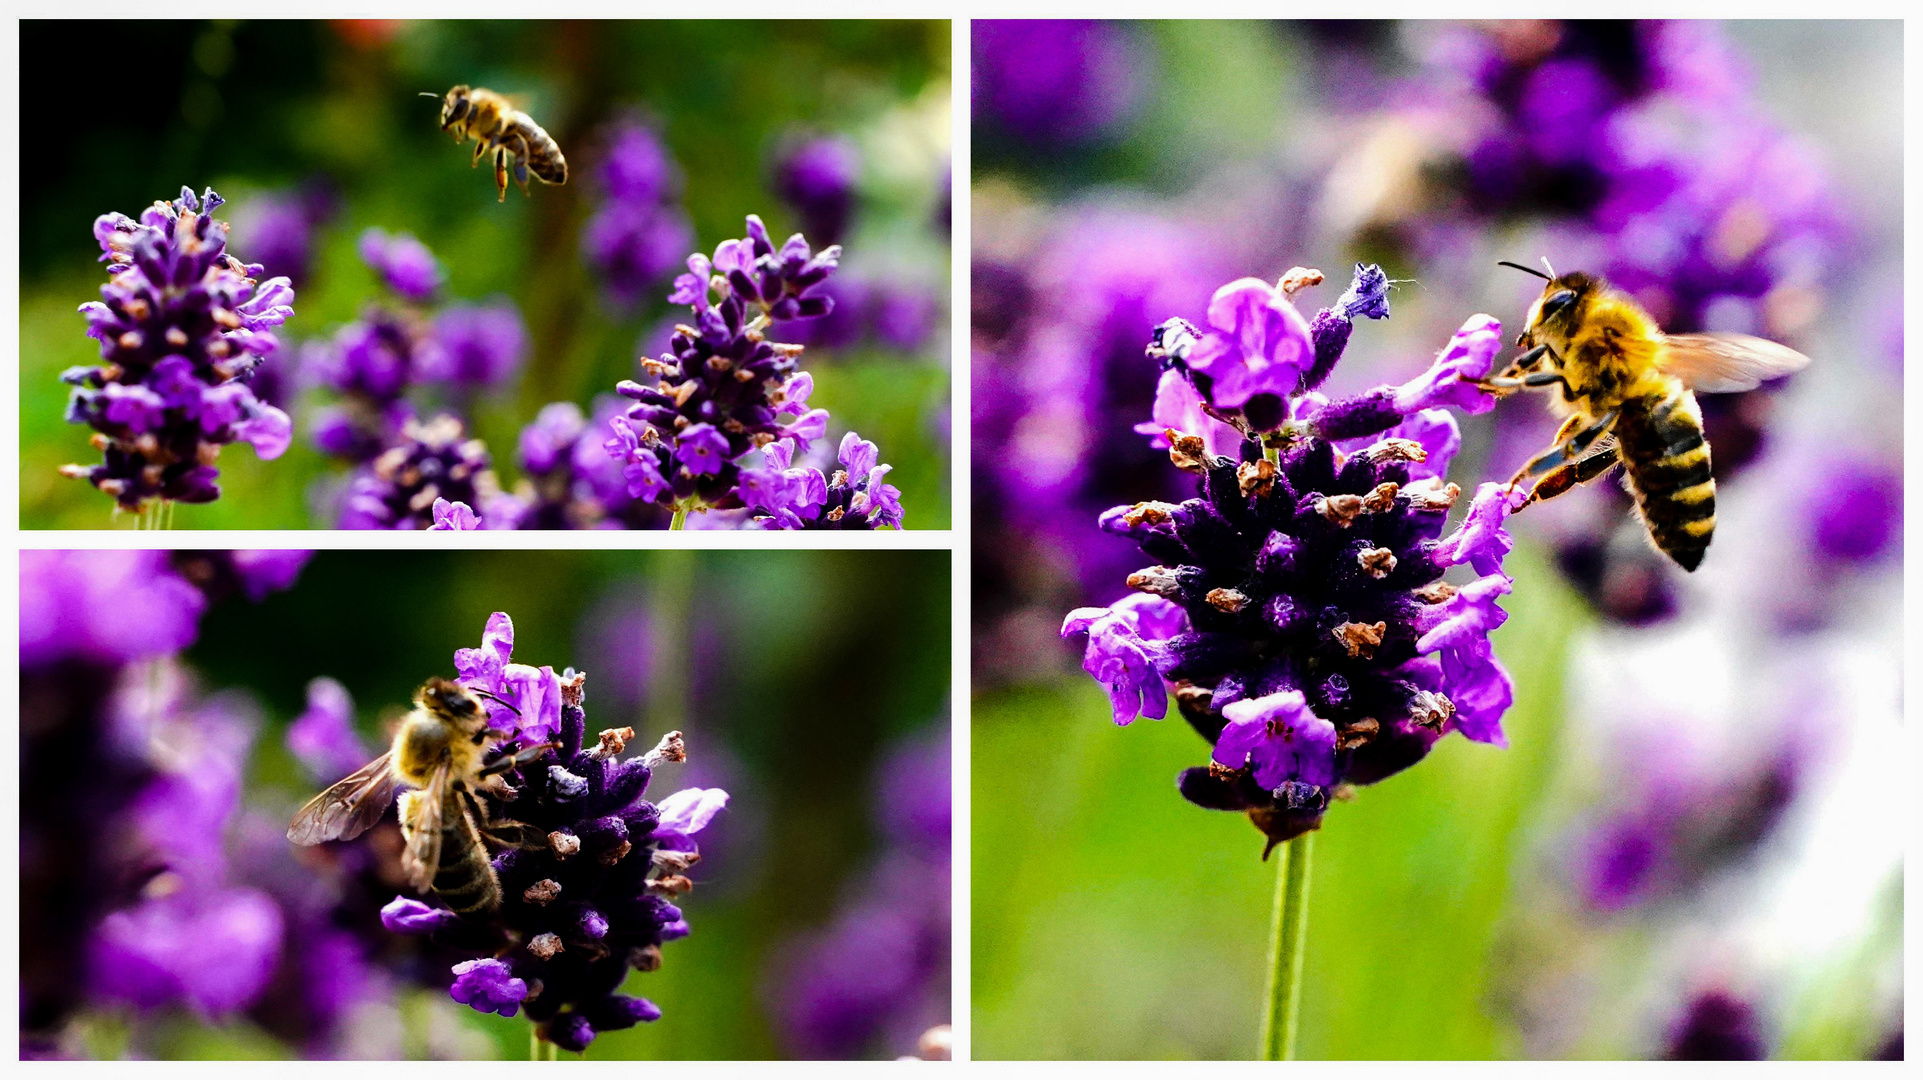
(1692, 847)
(315, 133)
(174, 716)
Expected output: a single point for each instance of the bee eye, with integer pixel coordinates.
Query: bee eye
(1557, 303)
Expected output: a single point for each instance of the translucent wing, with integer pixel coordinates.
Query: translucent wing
(1727, 363)
(350, 807)
(421, 823)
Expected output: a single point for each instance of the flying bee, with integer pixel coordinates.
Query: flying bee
(496, 126)
(440, 749)
(1628, 393)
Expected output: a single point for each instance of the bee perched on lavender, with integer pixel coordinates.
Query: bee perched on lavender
(1296, 606)
(723, 389)
(579, 870)
(182, 326)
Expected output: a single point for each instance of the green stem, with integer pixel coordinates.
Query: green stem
(680, 519)
(1274, 454)
(1288, 939)
(533, 1043)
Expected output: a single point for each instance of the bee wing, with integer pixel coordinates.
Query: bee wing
(1725, 363)
(350, 807)
(423, 855)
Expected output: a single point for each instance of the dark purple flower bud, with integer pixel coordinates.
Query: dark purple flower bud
(571, 1032)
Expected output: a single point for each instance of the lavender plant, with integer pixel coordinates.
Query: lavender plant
(117, 743)
(182, 326)
(723, 388)
(589, 898)
(1296, 606)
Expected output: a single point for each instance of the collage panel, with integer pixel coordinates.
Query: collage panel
(461, 274)
(1332, 697)
(501, 805)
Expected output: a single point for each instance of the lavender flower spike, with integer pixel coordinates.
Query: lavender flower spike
(1295, 607)
(182, 326)
(723, 389)
(592, 901)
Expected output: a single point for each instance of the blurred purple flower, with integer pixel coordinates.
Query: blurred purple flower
(817, 178)
(637, 236)
(398, 489)
(403, 264)
(1048, 81)
(109, 607)
(1716, 1025)
(323, 738)
(479, 345)
(213, 950)
(453, 517)
(870, 982)
(277, 228)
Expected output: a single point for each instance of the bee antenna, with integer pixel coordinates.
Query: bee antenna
(428, 93)
(1546, 266)
(503, 702)
(1528, 269)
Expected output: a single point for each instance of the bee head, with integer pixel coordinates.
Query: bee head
(455, 107)
(1172, 341)
(451, 701)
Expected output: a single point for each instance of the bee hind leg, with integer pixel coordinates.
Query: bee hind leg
(500, 173)
(1573, 474)
(1567, 452)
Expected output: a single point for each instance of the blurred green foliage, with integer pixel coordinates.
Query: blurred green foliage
(1138, 928)
(246, 107)
(797, 669)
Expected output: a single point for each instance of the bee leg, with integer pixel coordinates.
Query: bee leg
(519, 758)
(1550, 378)
(1565, 452)
(1529, 359)
(500, 172)
(1567, 477)
(480, 148)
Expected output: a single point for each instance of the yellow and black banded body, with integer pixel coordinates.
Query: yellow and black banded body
(512, 136)
(440, 750)
(1626, 392)
(464, 877)
(1608, 352)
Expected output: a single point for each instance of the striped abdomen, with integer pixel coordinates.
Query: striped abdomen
(1666, 459)
(543, 156)
(465, 879)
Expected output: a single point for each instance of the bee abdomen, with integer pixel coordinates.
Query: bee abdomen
(544, 156)
(1668, 465)
(465, 880)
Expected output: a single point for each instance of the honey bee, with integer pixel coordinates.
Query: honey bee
(1628, 392)
(493, 122)
(440, 750)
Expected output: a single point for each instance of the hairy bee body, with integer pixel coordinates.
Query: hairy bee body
(440, 750)
(511, 135)
(465, 877)
(1612, 362)
(1627, 395)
